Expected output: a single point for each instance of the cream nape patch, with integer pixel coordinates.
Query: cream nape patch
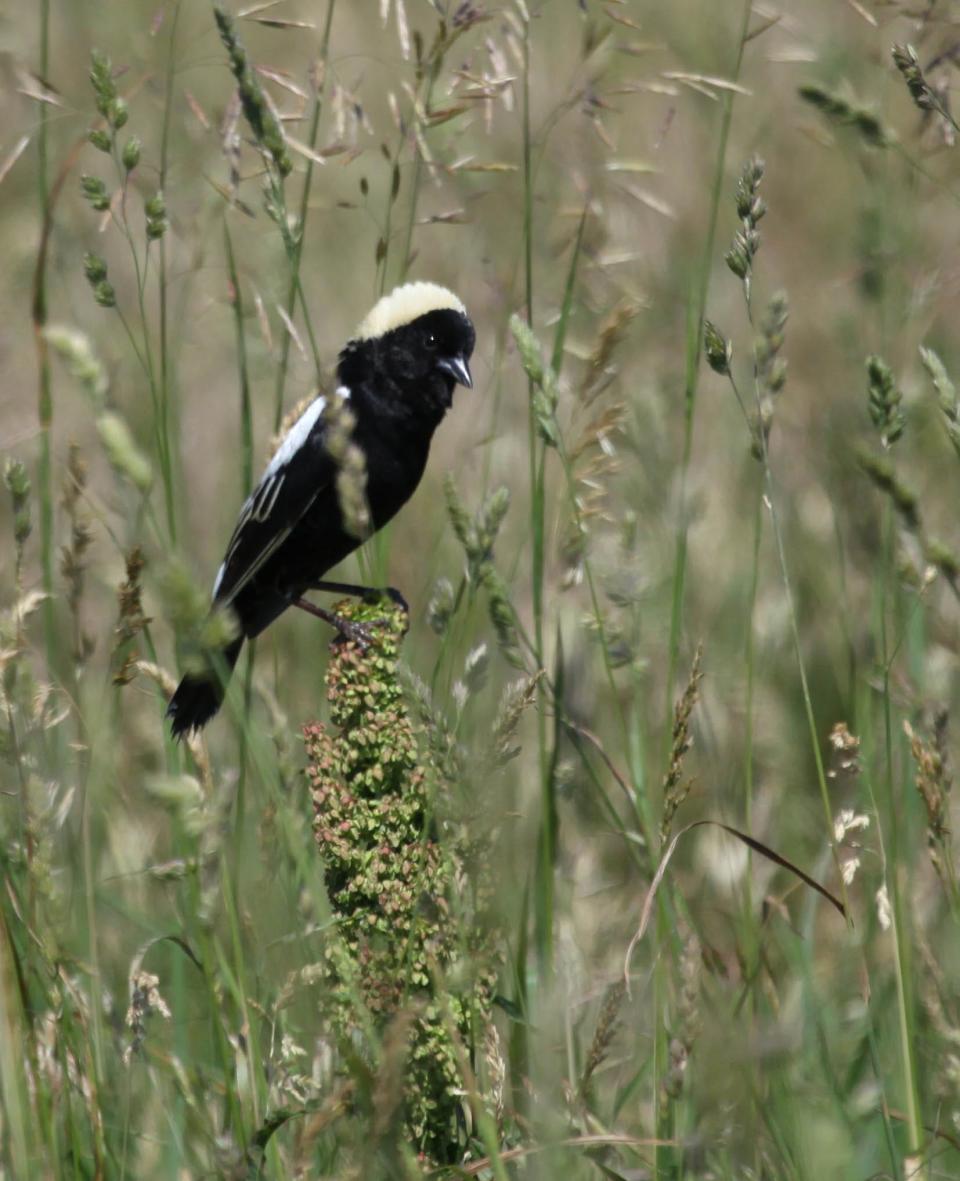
(404, 305)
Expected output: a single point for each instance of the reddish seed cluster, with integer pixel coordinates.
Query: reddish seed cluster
(390, 881)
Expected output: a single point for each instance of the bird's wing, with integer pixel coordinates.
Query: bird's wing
(298, 472)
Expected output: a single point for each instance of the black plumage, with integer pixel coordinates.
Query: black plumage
(398, 376)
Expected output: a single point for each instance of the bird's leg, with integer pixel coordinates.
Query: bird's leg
(363, 592)
(346, 627)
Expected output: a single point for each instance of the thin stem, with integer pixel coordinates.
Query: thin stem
(145, 357)
(45, 402)
(246, 470)
(536, 483)
(751, 948)
(243, 374)
(761, 436)
(901, 951)
(294, 287)
(165, 388)
(696, 312)
(543, 901)
(417, 174)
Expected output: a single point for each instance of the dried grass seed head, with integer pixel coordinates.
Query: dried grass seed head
(676, 787)
(846, 111)
(906, 60)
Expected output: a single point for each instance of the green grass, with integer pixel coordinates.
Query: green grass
(583, 979)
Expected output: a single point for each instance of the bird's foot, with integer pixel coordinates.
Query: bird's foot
(359, 632)
(349, 631)
(368, 594)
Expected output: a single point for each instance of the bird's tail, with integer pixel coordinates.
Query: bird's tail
(198, 698)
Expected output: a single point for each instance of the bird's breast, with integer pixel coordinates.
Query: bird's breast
(393, 473)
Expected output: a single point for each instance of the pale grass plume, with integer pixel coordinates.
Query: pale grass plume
(167, 684)
(517, 698)
(496, 1070)
(441, 605)
(351, 465)
(687, 1018)
(884, 911)
(934, 782)
(946, 394)
(146, 1001)
(844, 753)
(848, 821)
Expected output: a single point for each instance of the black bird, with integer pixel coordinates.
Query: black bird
(397, 375)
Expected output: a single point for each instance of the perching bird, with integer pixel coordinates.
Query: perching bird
(397, 376)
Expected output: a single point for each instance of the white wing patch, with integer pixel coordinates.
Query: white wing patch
(404, 305)
(296, 436)
(261, 502)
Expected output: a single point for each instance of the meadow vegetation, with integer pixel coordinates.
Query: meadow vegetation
(629, 854)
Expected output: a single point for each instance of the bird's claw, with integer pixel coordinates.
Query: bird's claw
(360, 634)
(354, 633)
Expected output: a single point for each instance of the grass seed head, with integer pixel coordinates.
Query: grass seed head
(883, 475)
(884, 399)
(73, 555)
(441, 606)
(603, 1035)
(906, 61)
(717, 348)
(131, 619)
(130, 156)
(934, 782)
(516, 700)
(676, 787)
(17, 483)
(155, 210)
(688, 1020)
(257, 110)
(612, 332)
(351, 466)
(145, 1002)
(750, 209)
(848, 113)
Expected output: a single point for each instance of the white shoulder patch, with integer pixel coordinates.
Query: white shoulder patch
(296, 436)
(404, 305)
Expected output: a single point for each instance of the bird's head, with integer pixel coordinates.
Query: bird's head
(419, 338)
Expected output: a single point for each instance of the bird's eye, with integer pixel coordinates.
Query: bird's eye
(430, 341)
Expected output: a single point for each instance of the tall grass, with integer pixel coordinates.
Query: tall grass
(474, 902)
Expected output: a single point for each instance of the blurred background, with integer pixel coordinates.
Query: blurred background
(577, 164)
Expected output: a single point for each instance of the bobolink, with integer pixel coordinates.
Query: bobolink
(397, 376)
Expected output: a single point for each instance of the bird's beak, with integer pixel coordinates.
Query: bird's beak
(458, 369)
